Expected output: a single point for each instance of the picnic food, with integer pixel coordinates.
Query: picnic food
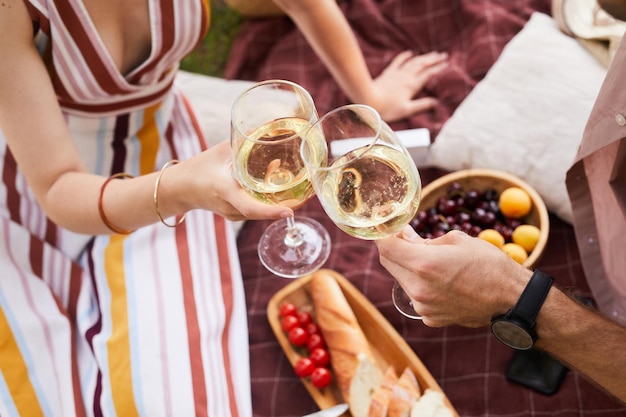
(304, 367)
(527, 236)
(303, 333)
(321, 377)
(493, 216)
(431, 404)
(515, 202)
(356, 372)
(368, 391)
(406, 393)
(516, 252)
(379, 404)
(492, 236)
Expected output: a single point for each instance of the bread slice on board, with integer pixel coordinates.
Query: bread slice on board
(432, 403)
(406, 392)
(379, 404)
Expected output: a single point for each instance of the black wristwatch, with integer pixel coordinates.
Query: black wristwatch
(516, 328)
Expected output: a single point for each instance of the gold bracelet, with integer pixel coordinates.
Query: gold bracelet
(156, 195)
(103, 216)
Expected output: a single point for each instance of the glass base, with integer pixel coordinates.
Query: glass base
(293, 257)
(403, 303)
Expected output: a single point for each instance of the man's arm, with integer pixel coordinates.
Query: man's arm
(584, 340)
(458, 279)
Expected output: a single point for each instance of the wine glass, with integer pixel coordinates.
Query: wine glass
(268, 123)
(369, 187)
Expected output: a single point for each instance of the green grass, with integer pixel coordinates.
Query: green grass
(209, 58)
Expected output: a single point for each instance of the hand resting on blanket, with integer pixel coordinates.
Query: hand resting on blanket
(394, 92)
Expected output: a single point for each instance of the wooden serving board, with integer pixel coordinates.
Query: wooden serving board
(389, 348)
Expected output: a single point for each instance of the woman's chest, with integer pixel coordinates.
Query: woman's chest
(124, 28)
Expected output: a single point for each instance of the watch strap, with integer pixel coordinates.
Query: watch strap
(533, 296)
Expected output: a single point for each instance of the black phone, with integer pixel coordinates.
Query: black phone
(536, 370)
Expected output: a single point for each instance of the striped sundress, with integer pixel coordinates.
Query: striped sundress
(147, 324)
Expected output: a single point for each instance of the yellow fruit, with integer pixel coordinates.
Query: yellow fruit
(527, 236)
(515, 202)
(492, 236)
(516, 252)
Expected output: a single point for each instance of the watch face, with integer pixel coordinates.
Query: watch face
(512, 334)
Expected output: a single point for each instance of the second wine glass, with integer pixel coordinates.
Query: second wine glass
(369, 187)
(269, 121)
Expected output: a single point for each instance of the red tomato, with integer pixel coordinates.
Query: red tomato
(313, 328)
(298, 336)
(320, 357)
(305, 319)
(289, 322)
(315, 341)
(287, 309)
(321, 377)
(304, 367)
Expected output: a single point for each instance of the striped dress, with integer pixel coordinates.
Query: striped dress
(147, 324)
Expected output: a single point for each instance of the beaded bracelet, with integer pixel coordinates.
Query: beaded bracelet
(103, 216)
(156, 195)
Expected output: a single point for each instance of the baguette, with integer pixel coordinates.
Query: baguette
(356, 372)
(379, 405)
(405, 394)
(431, 404)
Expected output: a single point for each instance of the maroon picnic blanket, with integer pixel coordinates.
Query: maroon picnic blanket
(473, 32)
(469, 364)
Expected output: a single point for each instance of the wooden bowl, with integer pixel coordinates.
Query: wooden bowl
(481, 179)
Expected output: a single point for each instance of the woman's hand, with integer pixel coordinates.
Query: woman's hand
(394, 90)
(454, 279)
(216, 189)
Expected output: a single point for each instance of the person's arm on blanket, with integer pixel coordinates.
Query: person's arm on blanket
(392, 92)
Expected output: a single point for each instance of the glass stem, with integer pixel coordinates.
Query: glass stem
(293, 238)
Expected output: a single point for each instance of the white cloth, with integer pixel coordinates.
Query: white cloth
(527, 116)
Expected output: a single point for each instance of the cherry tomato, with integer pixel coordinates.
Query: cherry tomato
(304, 367)
(321, 377)
(320, 357)
(315, 341)
(289, 322)
(305, 319)
(287, 309)
(298, 336)
(313, 328)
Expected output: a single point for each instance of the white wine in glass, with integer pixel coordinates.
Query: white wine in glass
(371, 192)
(268, 163)
(369, 187)
(269, 122)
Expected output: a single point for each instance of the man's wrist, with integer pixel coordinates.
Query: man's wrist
(517, 327)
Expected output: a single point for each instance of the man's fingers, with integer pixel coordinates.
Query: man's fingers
(409, 234)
